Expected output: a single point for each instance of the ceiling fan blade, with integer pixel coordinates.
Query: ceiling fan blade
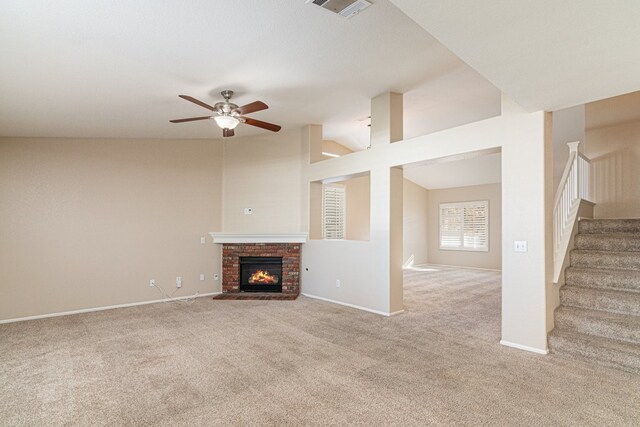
(195, 101)
(190, 119)
(251, 108)
(261, 124)
(227, 132)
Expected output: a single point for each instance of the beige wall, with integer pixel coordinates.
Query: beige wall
(415, 208)
(568, 126)
(358, 208)
(263, 173)
(86, 223)
(329, 146)
(613, 145)
(357, 212)
(491, 259)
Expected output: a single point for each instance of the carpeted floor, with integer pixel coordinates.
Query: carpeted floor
(303, 362)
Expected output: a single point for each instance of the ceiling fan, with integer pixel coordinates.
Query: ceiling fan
(228, 115)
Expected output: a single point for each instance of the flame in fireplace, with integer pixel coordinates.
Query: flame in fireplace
(263, 277)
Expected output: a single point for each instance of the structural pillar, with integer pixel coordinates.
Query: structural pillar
(386, 197)
(386, 118)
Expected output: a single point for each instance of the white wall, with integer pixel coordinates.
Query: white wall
(87, 223)
(264, 173)
(415, 226)
(492, 259)
(568, 126)
(361, 266)
(525, 140)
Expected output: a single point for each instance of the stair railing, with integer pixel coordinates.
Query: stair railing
(573, 189)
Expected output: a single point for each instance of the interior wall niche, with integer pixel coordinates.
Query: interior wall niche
(357, 207)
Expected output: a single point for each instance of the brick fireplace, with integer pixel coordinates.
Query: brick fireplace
(289, 252)
(238, 248)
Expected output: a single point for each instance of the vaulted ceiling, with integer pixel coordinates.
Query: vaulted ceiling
(92, 68)
(544, 54)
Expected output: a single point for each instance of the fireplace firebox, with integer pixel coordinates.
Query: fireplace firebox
(260, 274)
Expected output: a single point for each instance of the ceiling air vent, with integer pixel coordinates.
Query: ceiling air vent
(346, 8)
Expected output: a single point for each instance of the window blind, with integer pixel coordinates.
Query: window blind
(465, 226)
(333, 212)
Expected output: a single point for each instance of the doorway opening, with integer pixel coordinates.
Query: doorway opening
(452, 244)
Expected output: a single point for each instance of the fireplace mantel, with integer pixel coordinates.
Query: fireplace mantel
(219, 237)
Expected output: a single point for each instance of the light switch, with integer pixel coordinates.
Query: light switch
(202, 277)
(248, 211)
(520, 246)
(203, 240)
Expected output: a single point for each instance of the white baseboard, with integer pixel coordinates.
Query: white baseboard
(524, 347)
(108, 307)
(346, 304)
(450, 266)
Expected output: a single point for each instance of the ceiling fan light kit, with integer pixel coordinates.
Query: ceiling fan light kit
(228, 115)
(226, 122)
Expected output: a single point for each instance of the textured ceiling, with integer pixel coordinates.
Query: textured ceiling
(478, 170)
(114, 69)
(544, 54)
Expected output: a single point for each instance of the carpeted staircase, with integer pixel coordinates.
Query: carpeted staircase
(599, 313)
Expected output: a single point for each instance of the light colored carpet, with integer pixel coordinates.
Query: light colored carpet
(302, 362)
(599, 313)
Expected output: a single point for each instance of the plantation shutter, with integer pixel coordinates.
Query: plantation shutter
(465, 226)
(333, 212)
(476, 226)
(450, 227)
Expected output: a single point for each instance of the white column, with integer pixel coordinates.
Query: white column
(527, 210)
(386, 197)
(386, 118)
(396, 291)
(311, 141)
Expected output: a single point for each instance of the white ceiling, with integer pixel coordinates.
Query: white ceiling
(545, 54)
(92, 68)
(479, 170)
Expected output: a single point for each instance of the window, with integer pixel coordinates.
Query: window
(333, 212)
(464, 226)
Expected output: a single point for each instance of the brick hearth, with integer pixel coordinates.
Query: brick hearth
(290, 253)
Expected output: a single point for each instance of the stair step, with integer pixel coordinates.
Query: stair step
(608, 242)
(605, 351)
(628, 280)
(599, 323)
(629, 225)
(623, 302)
(601, 259)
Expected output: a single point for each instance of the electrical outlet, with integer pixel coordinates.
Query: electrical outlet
(248, 211)
(338, 284)
(178, 282)
(202, 277)
(520, 246)
(152, 283)
(216, 277)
